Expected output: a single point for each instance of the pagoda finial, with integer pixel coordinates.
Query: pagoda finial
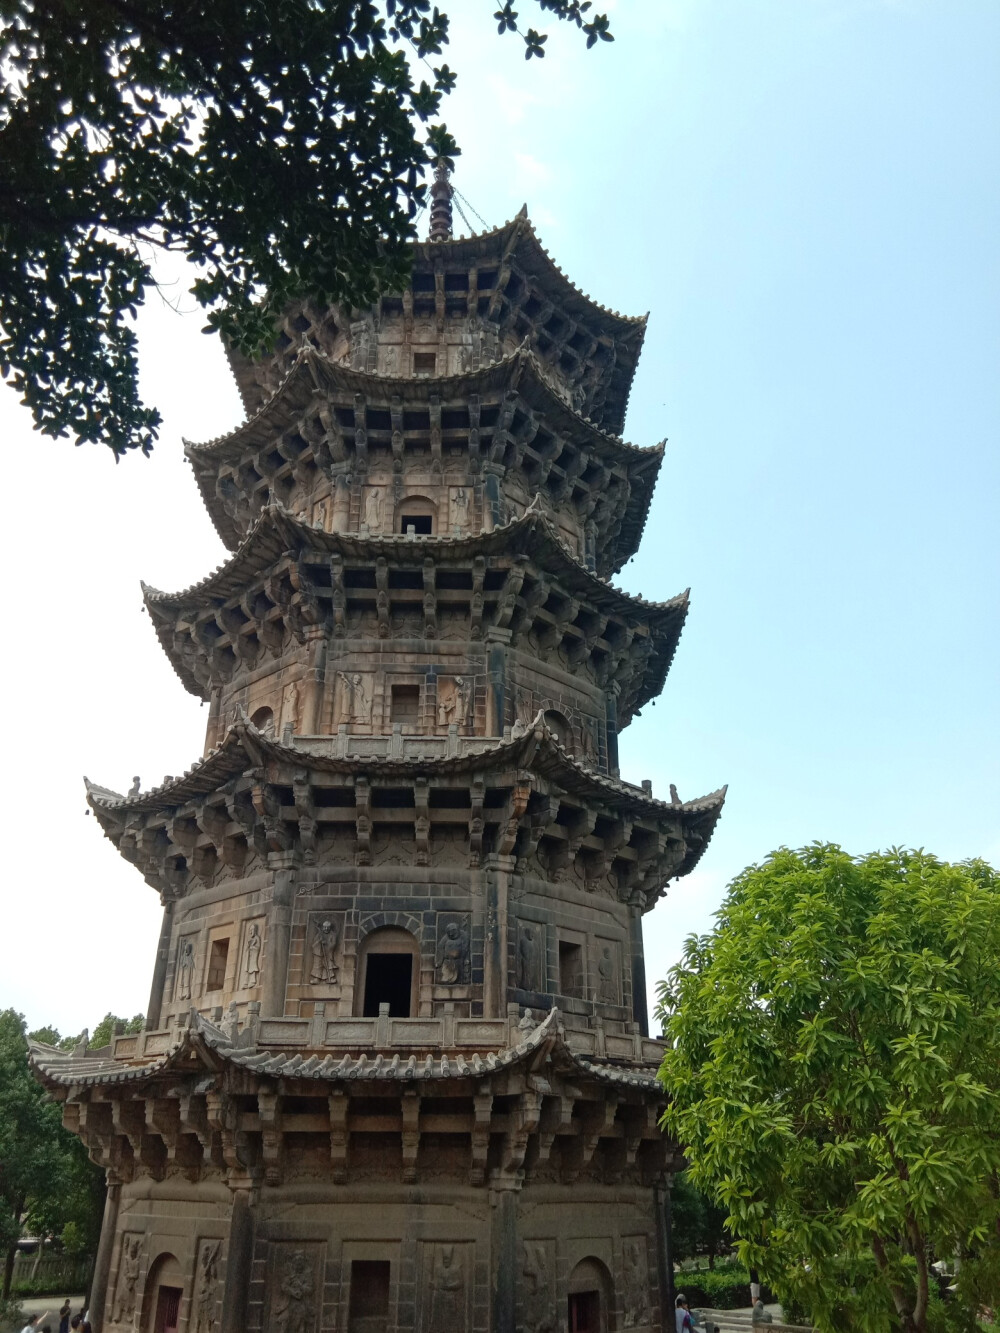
(441, 192)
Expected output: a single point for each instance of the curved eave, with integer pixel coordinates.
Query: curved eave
(537, 751)
(277, 532)
(205, 1048)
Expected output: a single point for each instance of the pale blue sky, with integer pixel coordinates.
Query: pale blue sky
(804, 194)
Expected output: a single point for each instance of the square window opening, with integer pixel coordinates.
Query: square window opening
(405, 704)
(217, 959)
(424, 363)
(388, 980)
(368, 1311)
(571, 969)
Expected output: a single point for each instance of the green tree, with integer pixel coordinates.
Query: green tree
(698, 1223)
(833, 1068)
(280, 145)
(46, 1178)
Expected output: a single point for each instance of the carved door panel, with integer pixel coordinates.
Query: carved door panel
(168, 1310)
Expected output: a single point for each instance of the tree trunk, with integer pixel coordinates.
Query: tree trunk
(8, 1271)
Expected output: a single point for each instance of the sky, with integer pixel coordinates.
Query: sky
(805, 195)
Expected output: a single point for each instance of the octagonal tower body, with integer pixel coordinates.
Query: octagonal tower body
(395, 1072)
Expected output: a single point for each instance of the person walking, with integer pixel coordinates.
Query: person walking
(682, 1314)
(64, 1316)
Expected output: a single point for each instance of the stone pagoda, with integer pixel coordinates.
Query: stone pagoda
(395, 1073)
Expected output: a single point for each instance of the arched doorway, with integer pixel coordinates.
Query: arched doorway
(417, 515)
(388, 973)
(559, 725)
(161, 1302)
(589, 1298)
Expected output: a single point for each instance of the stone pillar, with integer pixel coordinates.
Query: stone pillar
(279, 940)
(503, 1259)
(497, 668)
(102, 1264)
(315, 679)
(611, 717)
(495, 937)
(155, 1005)
(239, 1262)
(640, 1013)
(664, 1249)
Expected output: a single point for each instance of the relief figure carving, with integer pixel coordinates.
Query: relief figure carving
(356, 706)
(460, 511)
(607, 974)
(635, 1294)
(447, 1302)
(126, 1293)
(294, 1310)
(452, 957)
(529, 959)
(207, 1282)
(185, 970)
(251, 957)
(293, 707)
(323, 970)
(373, 509)
(539, 1316)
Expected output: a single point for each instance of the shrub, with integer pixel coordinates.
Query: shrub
(727, 1290)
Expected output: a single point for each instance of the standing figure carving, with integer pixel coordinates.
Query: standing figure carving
(293, 707)
(356, 707)
(185, 970)
(636, 1299)
(128, 1279)
(323, 970)
(373, 509)
(207, 1282)
(294, 1312)
(529, 957)
(251, 957)
(607, 972)
(448, 1292)
(460, 511)
(452, 959)
(463, 700)
(539, 1316)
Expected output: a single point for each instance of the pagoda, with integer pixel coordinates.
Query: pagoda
(395, 1072)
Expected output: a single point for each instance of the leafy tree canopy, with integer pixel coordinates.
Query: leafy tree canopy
(47, 1183)
(698, 1223)
(280, 145)
(834, 1074)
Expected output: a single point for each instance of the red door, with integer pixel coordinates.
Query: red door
(168, 1310)
(585, 1312)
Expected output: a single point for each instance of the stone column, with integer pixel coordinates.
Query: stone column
(503, 1259)
(239, 1262)
(640, 1013)
(279, 940)
(611, 718)
(664, 1249)
(495, 937)
(155, 1006)
(105, 1250)
(497, 688)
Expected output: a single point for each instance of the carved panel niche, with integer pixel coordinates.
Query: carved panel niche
(445, 1291)
(294, 1295)
(205, 1286)
(538, 1297)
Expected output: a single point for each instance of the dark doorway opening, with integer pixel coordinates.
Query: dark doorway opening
(571, 969)
(368, 1311)
(421, 525)
(168, 1309)
(585, 1312)
(388, 980)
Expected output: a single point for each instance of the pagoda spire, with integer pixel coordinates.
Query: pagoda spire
(441, 194)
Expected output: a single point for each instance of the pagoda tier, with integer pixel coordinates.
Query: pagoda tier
(336, 1145)
(470, 301)
(493, 439)
(298, 622)
(387, 802)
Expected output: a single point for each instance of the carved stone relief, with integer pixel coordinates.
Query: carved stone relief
(460, 498)
(537, 1294)
(354, 698)
(291, 712)
(454, 701)
(319, 513)
(322, 934)
(445, 1287)
(295, 1287)
(126, 1301)
(185, 969)
(452, 964)
(373, 509)
(531, 956)
(206, 1284)
(635, 1282)
(608, 973)
(252, 947)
